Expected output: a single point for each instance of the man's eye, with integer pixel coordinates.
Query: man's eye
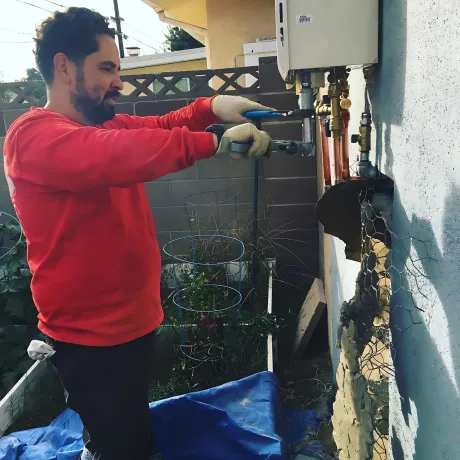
(106, 69)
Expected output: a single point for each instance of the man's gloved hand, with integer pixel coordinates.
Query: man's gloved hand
(230, 109)
(259, 142)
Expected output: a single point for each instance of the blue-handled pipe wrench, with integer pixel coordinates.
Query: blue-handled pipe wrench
(288, 147)
(257, 114)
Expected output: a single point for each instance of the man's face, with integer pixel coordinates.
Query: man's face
(98, 83)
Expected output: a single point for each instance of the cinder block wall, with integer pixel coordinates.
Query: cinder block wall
(287, 184)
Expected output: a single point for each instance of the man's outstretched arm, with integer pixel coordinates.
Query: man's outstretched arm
(59, 154)
(196, 117)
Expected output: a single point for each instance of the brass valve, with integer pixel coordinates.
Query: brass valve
(363, 139)
(323, 110)
(336, 123)
(365, 167)
(345, 103)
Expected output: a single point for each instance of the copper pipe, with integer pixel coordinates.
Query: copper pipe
(345, 152)
(338, 166)
(325, 151)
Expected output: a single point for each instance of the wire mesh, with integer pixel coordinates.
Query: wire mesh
(208, 272)
(391, 280)
(365, 339)
(10, 234)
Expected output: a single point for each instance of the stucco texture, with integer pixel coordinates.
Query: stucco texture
(417, 143)
(232, 23)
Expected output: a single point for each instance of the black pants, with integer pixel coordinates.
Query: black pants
(108, 388)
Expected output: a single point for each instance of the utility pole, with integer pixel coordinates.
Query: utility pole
(118, 23)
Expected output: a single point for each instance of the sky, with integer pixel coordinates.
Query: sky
(141, 24)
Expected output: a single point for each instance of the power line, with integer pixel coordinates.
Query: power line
(142, 33)
(57, 4)
(15, 31)
(117, 19)
(140, 41)
(9, 43)
(35, 6)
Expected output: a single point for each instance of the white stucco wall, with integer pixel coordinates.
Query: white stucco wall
(340, 286)
(417, 143)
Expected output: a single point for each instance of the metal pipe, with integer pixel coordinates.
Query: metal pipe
(118, 24)
(365, 167)
(306, 92)
(271, 341)
(255, 222)
(325, 152)
(336, 119)
(345, 146)
(307, 131)
(306, 103)
(312, 121)
(338, 166)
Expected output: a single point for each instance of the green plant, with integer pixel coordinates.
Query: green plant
(17, 311)
(226, 345)
(226, 339)
(196, 293)
(39, 93)
(178, 39)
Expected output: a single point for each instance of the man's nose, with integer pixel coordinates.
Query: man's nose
(118, 84)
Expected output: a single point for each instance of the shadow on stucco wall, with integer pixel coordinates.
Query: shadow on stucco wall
(426, 406)
(427, 367)
(337, 299)
(387, 94)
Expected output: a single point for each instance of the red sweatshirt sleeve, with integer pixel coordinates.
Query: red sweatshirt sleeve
(54, 152)
(196, 117)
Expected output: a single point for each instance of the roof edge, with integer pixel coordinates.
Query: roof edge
(134, 62)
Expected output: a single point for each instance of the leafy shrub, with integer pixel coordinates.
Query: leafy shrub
(18, 316)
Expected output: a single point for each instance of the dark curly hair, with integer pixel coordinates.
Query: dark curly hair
(72, 32)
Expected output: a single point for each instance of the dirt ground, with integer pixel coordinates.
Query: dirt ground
(307, 382)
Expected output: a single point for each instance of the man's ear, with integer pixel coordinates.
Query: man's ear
(61, 68)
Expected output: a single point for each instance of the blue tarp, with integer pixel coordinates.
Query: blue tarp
(296, 429)
(234, 421)
(241, 420)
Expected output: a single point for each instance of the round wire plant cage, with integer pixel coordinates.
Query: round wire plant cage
(10, 234)
(208, 272)
(212, 211)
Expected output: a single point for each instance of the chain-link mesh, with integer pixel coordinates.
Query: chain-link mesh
(361, 408)
(390, 278)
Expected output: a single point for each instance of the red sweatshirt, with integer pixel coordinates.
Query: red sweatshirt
(79, 194)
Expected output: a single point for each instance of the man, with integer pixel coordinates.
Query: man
(76, 172)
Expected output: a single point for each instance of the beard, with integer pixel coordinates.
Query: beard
(94, 110)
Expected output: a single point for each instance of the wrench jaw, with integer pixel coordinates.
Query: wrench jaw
(288, 147)
(292, 147)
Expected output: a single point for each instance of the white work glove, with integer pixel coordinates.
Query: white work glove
(40, 351)
(259, 142)
(230, 109)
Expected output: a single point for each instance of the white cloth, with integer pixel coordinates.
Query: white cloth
(40, 351)
(87, 455)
